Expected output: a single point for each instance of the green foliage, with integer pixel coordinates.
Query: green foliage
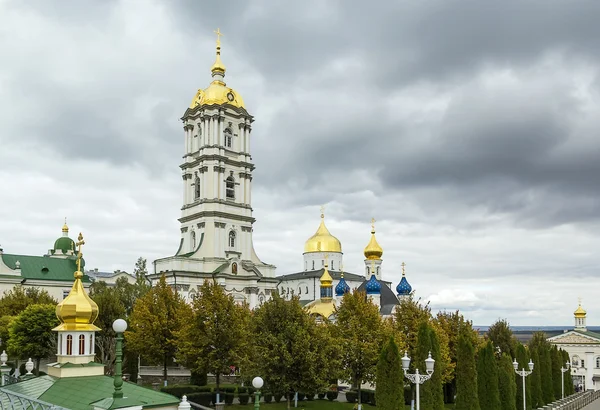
(154, 323)
(487, 378)
(466, 375)
(5, 322)
(537, 398)
(540, 343)
(244, 398)
(436, 381)
(332, 395)
(31, 335)
(291, 352)
(180, 390)
(501, 336)
(555, 358)
(351, 396)
(569, 388)
(215, 335)
(421, 354)
(202, 398)
(523, 360)
(16, 300)
(358, 330)
(506, 383)
(389, 378)
(142, 285)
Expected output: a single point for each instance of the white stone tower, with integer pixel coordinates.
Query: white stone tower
(373, 253)
(216, 216)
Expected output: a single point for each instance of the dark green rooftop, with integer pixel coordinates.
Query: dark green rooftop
(44, 267)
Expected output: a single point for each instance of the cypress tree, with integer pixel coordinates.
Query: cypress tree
(523, 360)
(389, 392)
(537, 399)
(556, 376)
(569, 387)
(487, 378)
(506, 383)
(422, 353)
(466, 376)
(437, 387)
(546, 368)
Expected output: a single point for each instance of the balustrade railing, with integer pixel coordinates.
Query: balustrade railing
(574, 402)
(14, 401)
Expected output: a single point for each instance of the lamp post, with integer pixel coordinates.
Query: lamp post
(119, 326)
(562, 376)
(257, 383)
(523, 373)
(417, 378)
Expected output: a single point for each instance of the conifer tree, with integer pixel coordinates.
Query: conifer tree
(537, 399)
(466, 376)
(546, 368)
(569, 388)
(422, 353)
(555, 357)
(437, 385)
(389, 392)
(502, 336)
(487, 378)
(523, 361)
(506, 383)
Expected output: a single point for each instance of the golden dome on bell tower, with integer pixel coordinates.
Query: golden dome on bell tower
(373, 251)
(323, 240)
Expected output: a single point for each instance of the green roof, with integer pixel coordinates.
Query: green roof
(44, 267)
(78, 393)
(64, 244)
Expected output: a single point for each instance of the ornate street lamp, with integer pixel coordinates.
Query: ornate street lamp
(257, 382)
(523, 373)
(119, 326)
(417, 378)
(562, 376)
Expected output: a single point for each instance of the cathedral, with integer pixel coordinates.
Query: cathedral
(216, 220)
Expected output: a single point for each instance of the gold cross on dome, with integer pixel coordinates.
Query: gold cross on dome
(322, 211)
(219, 34)
(342, 270)
(579, 300)
(79, 243)
(403, 267)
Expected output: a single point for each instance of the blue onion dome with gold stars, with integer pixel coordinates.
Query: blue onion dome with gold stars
(373, 287)
(403, 288)
(342, 287)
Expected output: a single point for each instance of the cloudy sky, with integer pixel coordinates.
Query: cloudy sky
(469, 130)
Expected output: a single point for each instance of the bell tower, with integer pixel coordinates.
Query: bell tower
(216, 220)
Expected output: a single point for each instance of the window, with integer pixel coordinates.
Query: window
(299, 291)
(60, 346)
(575, 361)
(234, 268)
(69, 345)
(230, 187)
(305, 265)
(378, 270)
(92, 344)
(307, 290)
(193, 240)
(582, 363)
(313, 268)
(228, 138)
(65, 293)
(81, 344)
(322, 262)
(232, 239)
(597, 362)
(332, 268)
(197, 188)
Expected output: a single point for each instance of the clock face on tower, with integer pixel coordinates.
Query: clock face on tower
(230, 96)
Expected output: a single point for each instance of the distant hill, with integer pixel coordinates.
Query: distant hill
(525, 333)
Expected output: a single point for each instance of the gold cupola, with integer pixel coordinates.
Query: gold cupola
(77, 311)
(322, 240)
(373, 251)
(580, 312)
(217, 92)
(65, 229)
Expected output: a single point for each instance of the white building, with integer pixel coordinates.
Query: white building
(583, 347)
(216, 215)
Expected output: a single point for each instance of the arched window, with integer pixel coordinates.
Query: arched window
(69, 345)
(332, 268)
(232, 239)
(234, 268)
(197, 188)
(299, 290)
(307, 290)
(598, 362)
(193, 240)
(81, 344)
(228, 138)
(575, 361)
(230, 187)
(313, 268)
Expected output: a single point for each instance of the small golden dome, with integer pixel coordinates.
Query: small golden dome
(65, 228)
(580, 312)
(373, 251)
(326, 279)
(323, 241)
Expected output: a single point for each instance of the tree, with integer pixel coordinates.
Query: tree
(487, 378)
(16, 300)
(506, 383)
(142, 285)
(5, 322)
(466, 375)
(216, 333)
(501, 336)
(542, 346)
(31, 333)
(358, 332)
(154, 323)
(290, 351)
(523, 360)
(537, 398)
(390, 378)
(556, 360)
(437, 377)
(421, 354)
(569, 387)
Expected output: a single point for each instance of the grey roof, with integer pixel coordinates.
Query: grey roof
(98, 275)
(336, 275)
(388, 299)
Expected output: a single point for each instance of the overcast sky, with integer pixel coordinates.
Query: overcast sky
(469, 130)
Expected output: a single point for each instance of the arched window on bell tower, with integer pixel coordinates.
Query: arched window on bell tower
(227, 138)
(232, 239)
(197, 188)
(69, 345)
(81, 344)
(230, 187)
(193, 241)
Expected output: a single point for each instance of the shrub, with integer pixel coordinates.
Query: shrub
(352, 396)
(321, 395)
(251, 390)
(229, 389)
(179, 390)
(332, 395)
(242, 389)
(202, 398)
(229, 398)
(199, 379)
(244, 398)
(407, 395)
(204, 389)
(268, 397)
(277, 397)
(301, 396)
(310, 396)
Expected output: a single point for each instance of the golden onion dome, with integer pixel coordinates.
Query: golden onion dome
(323, 241)
(326, 279)
(373, 251)
(580, 312)
(77, 311)
(65, 228)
